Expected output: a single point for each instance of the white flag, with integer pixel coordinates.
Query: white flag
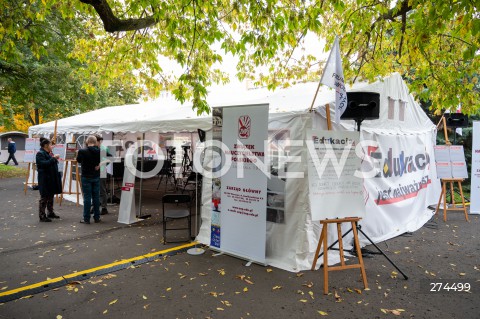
(333, 77)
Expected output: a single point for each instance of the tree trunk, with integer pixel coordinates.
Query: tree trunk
(37, 116)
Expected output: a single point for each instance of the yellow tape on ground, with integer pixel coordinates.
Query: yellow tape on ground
(33, 286)
(91, 270)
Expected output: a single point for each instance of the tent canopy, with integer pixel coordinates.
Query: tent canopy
(169, 115)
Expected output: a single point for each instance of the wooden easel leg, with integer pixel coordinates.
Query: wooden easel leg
(317, 252)
(463, 201)
(26, 181)
(70, 179)
(452, 195)
(340, 244)
(439, 201)
(359, 254)
(444, 187)
(325, 260)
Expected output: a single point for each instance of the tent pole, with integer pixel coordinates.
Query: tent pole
(195, 250)
(141, 178)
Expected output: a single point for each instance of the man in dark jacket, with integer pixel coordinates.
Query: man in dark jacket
(49, 180)
(89, 158)
(12, 149)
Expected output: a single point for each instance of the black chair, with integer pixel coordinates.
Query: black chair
(175, 207)
(193, 183)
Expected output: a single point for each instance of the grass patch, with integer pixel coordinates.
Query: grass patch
(7, 171)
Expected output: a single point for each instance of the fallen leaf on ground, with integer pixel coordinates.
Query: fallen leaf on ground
(303, 300)
(221, 272)
(269, 270)
(168, 289)
(144, 297)
(27, 297)
(300, 274)
(105, 311)
(112, 302)
(245, 289)
(308, 284)
(146, 306)
(59, 317)
(322, 313)
(277, 287)
(220, 309)
(248, 281)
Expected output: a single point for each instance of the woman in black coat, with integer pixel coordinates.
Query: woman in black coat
(49, 179)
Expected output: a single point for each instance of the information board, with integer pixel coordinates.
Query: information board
(334, 191)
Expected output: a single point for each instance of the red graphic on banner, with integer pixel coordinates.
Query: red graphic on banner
(126, 189)
(129, 184)
(244, 124)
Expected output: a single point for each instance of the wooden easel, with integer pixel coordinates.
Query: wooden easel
(323, 240)
(77, 191)
(31, 166)
(451, 181)
(324, 234)
(443, 196)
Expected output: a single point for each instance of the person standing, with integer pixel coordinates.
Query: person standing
(12, 149)
(89, 158)
(103, 174)
(49, 179)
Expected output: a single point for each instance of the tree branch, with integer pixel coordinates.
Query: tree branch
(111, 23)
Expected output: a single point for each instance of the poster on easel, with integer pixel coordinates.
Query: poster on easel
(475, 174)
(450, 161)
(71, 151)
(32, 145)
(332, 163)
(60, 150)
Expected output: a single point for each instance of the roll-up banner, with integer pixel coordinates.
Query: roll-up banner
(475, 176)
(239, 194)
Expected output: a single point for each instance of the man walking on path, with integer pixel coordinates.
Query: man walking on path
(12, 149)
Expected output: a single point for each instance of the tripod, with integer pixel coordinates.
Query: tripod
(186, 162)
(380, 252)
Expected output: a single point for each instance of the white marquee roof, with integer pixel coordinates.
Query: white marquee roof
(168, 115)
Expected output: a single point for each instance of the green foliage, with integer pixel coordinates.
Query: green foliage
(38, 78)
(434, 44)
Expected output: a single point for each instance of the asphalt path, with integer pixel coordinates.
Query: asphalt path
(208, 286)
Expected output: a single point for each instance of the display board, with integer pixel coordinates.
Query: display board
(32, 145)
(71, 151)
(60, 150)
(475, 174)
(239, 196)
(450, 161)
(334, 191)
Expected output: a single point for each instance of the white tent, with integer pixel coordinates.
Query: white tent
(396, 200)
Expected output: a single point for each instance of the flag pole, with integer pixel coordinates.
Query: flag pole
(315, 97)
(329, 120)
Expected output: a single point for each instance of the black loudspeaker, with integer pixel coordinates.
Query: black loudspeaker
(201, 135)
(456, 119)
(362, 106)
